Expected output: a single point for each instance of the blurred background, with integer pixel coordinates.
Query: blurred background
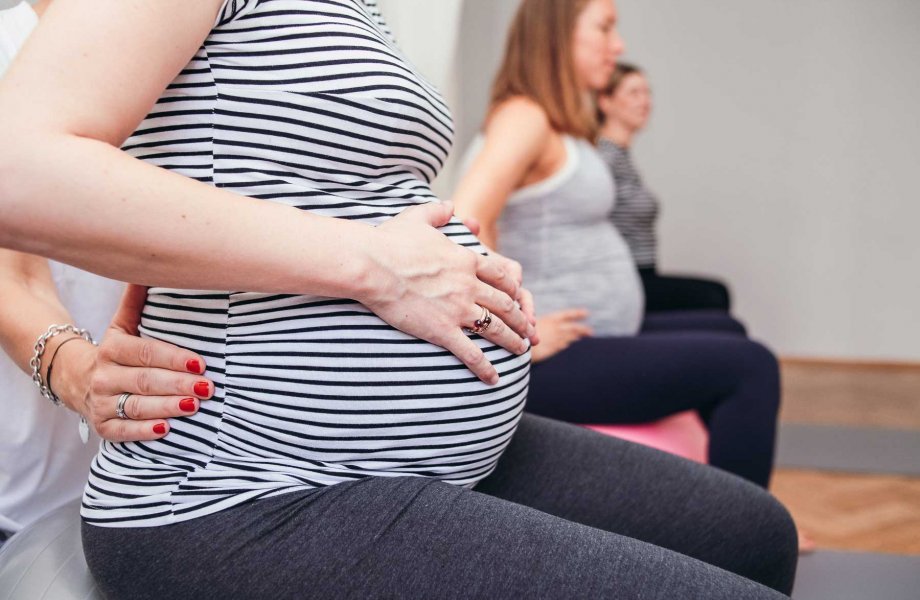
(784, 145)
(785, 148)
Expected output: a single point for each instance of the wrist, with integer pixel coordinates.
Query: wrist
(73, 366)
(51, 348)
(368, 276)
(40, 363)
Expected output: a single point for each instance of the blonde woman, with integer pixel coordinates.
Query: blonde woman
(542, 195)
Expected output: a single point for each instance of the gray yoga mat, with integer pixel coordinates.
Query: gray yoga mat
(849, 449)
(827, 575)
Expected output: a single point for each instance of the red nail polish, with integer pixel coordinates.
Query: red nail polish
(187, 405)
(159, 428)
(193, 365)
(202, 388)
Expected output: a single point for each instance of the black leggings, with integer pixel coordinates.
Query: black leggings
(692, 320)
(664, 292)
(731, 381)
(568, 513)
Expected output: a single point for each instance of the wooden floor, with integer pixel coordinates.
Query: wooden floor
(854, 512)
(870, 513)
(851, 395)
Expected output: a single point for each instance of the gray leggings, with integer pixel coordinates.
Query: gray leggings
(569, 513)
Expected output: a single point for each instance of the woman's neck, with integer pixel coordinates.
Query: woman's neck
(617, 132)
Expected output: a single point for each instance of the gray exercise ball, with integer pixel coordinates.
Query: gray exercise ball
(45, 560)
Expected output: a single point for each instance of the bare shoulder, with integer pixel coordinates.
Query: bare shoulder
(521, 114)
(520, 125)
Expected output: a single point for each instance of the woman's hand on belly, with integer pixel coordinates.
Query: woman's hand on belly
(560, 330)
(429, 287)
(164, 381)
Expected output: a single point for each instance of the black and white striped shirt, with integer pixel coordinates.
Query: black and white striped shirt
(308, 103)
(636, 210)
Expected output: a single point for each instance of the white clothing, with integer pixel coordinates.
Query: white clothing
(43, 462)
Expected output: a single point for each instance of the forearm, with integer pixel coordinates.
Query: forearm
(29, 305)
(86, 203)
(488, 235)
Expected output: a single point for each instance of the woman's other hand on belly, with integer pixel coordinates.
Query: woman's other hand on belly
(431, 288)
(560, 330)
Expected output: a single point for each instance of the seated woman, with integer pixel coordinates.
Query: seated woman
(624, 106)
(542, 194)
(359, 442)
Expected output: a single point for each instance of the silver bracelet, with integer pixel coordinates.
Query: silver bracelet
(39, 351)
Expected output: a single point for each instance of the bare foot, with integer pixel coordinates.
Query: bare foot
(806, 544)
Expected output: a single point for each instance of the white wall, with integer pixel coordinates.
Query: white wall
(786, 147)
(428, 33)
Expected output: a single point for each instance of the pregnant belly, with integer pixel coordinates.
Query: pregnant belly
(323, 389)
(608, 287)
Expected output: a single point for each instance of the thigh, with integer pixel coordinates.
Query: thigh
(692, 320)
(397, 538)
(638, 379)
(632, 490)
(683, 293)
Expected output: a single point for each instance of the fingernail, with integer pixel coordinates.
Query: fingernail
(159, 428)
(202, 388)
(193, 365)
(493, 380)
(187, 405)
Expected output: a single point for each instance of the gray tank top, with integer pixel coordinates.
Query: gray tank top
(573, 256)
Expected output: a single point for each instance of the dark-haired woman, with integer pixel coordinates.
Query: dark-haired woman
(625, 105)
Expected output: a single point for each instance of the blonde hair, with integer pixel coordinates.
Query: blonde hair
(539, 65)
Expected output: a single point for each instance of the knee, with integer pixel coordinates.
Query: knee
(757, 537)
(764, 540)
(724, 296)
(717, 295)
(762, 373)
(775, 518)
(777, 539)
(762, 360)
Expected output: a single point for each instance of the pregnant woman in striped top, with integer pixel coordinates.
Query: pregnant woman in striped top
(624, 107)
(352, 446)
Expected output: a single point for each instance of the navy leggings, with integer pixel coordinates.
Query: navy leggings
(692, 320)
(730, 380)
(667, 292)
